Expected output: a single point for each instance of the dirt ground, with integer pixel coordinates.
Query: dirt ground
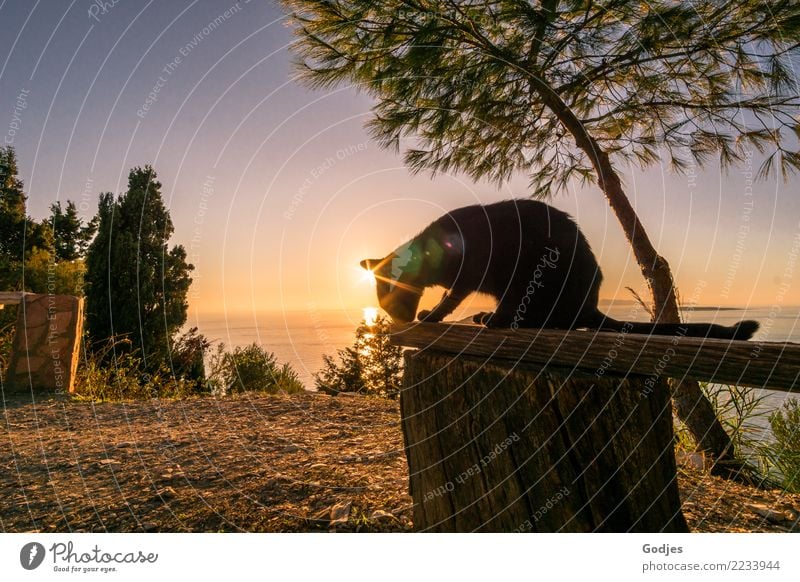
(306, 462)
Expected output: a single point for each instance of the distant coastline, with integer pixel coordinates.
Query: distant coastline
(710, 308)
(626, 302)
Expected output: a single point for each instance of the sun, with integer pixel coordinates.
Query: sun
(370, 316)
(367, 276)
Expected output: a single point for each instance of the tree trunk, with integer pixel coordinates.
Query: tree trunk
(507, 447)
(691, 405)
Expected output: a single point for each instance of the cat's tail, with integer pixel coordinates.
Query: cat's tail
(743, 330)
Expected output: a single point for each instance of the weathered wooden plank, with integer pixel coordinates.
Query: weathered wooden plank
(10, 297)
(762, 364)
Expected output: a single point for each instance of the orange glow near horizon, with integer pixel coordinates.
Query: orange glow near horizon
(313, 261)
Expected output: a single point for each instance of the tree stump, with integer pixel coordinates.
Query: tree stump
(494, 445)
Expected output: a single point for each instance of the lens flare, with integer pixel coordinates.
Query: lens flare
(370, 316)
(367, 276)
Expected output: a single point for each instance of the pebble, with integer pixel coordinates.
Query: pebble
(340, 513)
(379, 514)
(777, 517)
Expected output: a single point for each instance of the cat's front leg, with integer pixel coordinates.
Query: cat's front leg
(450, 300)
(497, 319)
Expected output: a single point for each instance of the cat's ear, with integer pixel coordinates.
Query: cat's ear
(370, 264)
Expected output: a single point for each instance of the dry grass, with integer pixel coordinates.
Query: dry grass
(254, 463)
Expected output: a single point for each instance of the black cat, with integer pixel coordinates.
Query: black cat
(529, 256)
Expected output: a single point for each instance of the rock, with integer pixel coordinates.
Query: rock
(321, 517)
(173, 476)
(166, 493)
(149, 526)
(694, 460)
(773, 515)
(381, 515)
(340, 513)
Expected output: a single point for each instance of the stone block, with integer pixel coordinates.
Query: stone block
(47, 344)
(35, 312)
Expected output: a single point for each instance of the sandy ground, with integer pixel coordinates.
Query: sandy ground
(258, 463)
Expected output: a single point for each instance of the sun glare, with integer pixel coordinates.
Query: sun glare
(367, 276)
(370, 316)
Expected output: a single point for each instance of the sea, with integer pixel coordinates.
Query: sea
(303, 337)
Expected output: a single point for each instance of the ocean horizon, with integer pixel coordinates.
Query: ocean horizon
(302, 337)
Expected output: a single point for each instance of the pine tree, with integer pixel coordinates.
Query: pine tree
(12, 208)
(12, 221)
(568, 90)
(136, 286)
(19, 234)
(71, 236)
(372, 365)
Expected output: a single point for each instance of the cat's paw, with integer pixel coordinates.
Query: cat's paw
(428, 316)
(482, 318)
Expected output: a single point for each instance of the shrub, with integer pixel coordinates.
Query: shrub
(187, 357)
(111, 372)
(742, 413)
(252, 369)
(771, 462)
(7, 331)
(738, 408)
(784, 453)
(345, 376)
(371, 366)
(44, 274)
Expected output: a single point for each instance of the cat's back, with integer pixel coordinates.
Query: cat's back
(508, 219)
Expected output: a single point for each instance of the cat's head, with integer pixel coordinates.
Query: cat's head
(397, 281)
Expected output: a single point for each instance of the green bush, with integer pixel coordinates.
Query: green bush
(784, 453)
(738, 408)
(45, 274)
(773, 462)
(187, 358)
(372, 366)
(252, 369)
(8, 329)
(114, 372)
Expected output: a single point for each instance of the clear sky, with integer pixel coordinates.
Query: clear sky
(277, 191)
